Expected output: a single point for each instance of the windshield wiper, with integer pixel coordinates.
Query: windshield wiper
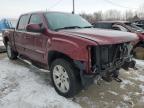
(88, 27)
(70, 27)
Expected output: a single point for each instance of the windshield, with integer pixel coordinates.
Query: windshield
(64, 20)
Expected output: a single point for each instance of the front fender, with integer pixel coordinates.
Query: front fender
(74, 49)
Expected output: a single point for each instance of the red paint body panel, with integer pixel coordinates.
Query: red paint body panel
(103, 37)
(141, 36)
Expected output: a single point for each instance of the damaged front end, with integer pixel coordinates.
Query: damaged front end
(106, 60)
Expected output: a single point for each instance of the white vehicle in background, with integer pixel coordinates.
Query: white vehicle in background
(2, 48)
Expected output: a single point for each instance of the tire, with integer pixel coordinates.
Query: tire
(64, 78)
(10, 53)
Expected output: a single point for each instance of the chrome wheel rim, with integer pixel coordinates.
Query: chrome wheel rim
(61, 78)
(9, 50)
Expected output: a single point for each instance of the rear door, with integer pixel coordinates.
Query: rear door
(39, 39)
(21, 33)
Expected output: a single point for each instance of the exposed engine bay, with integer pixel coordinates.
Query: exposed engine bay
(108, 59)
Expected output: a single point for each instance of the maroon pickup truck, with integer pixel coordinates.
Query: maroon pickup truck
(67, 45)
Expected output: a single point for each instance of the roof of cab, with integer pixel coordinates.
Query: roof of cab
(42, 12)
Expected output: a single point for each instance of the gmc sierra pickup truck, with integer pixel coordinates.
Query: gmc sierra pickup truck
(68, 46)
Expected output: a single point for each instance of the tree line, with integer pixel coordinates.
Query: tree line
(113, 14)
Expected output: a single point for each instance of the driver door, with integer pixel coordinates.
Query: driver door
(39, 40)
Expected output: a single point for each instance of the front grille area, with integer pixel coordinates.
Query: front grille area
(107, 56)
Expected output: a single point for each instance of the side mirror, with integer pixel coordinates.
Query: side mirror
(35, 28)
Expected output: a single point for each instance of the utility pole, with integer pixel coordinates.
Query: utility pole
(73, 12)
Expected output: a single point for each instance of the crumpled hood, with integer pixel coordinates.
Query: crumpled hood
(102, 36)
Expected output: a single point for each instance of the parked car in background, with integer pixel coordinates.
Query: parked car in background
(126, 27)
(119, 25)
(67, 45)
(139, 23)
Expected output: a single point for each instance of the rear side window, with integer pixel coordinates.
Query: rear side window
(35, 19)
(23, 22)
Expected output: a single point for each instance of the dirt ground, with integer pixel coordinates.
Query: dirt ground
(128, 94)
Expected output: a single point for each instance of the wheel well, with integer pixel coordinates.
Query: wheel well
(6, 40)
(53, 55)
(141, 43)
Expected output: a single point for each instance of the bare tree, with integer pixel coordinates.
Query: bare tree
(112, 15)
(88, 17)
(129, 15)
(141, 11)
(98, 16)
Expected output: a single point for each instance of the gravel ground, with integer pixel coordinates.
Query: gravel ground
(128, 94)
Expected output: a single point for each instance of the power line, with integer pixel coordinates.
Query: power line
(115, 4)
(53, 6)
(58, 2)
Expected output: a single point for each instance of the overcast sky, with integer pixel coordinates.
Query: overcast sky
(13, 8)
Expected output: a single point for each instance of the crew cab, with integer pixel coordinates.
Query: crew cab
(68, 46)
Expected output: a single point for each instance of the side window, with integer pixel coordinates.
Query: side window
(35, 19)
(23, 22)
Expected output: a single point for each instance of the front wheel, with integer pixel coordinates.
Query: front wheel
(64, 79)
(11, 54)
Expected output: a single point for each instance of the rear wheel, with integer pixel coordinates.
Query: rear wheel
(64, 78)
(10, 53)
